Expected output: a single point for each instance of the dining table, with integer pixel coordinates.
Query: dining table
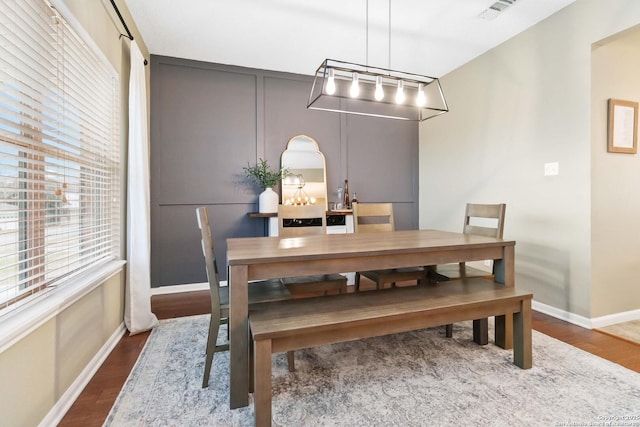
(259, 258)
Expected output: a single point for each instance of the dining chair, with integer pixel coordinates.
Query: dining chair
(259, 292)
(375, 218)
(308, 220)
(479, 219)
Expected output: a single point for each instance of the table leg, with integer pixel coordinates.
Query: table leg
(503, 269)
(239, 336)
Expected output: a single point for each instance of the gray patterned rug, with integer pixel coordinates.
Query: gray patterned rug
(411, 379)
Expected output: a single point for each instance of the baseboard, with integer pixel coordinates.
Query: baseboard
(562, 314)
(585, 322)
(190, 287)
(589, 323)
(612, 319)
(69, 397)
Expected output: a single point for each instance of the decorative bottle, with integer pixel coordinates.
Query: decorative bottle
(355, 198)
(347, 199)
(339, 204)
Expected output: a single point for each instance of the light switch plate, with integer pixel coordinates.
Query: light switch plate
(551, 169)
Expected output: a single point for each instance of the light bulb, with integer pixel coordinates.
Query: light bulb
(421, 100)
(400, 93)
(331, 83)
(379, 94)
(355, 88)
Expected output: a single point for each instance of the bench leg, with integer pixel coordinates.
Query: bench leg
(262, 375)
(504, 331)
(522, 350)
(291, 360)
(481, 331)
(252, 378)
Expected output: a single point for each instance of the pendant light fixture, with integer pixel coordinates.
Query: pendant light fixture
(331, 83)
(355, 89)
(379, 94)
(345, 87)
(400, 93)
(421, 99)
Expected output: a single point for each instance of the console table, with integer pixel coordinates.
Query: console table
(337, 222)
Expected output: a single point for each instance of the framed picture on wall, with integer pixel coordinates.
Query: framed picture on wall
(623, 126)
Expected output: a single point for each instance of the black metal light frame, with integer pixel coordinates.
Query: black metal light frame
(365, 103)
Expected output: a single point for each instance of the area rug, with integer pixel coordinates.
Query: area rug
(412, 379)
(629, 331)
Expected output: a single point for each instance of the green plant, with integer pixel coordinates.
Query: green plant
(263, 176)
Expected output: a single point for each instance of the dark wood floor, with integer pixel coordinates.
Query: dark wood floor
(93, 405)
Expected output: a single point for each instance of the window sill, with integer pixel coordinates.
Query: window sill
(20, 322)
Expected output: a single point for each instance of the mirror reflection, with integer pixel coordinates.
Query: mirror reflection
(307, 182)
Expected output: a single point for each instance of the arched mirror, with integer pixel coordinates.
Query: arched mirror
(307, 183)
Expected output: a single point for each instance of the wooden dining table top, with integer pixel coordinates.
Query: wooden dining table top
(255, 250)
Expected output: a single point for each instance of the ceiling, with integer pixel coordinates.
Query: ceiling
(430, 37)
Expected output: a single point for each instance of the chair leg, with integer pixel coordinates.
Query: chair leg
(449, 330)
(207, 370)
(291, 360)
(357, 281)
(214, 327)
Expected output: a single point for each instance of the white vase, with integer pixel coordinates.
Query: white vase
(268, 201)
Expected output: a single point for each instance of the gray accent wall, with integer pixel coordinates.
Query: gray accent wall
(209, 120)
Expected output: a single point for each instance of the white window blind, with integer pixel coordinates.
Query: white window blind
(59, 153)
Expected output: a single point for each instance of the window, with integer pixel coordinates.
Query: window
(59, 153)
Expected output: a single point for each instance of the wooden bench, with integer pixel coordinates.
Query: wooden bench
(296, 324)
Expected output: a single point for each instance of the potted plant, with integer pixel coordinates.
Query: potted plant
(263, 176)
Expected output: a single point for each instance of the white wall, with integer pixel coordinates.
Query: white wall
(518, 106)
(615, 192)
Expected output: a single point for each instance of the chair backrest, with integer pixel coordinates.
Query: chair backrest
(372, 217)
(484, 220)
(210, 259)
(301, 220)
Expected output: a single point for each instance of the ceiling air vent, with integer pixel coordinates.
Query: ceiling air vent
(495, 9)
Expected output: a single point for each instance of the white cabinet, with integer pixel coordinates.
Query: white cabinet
(347, 227)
